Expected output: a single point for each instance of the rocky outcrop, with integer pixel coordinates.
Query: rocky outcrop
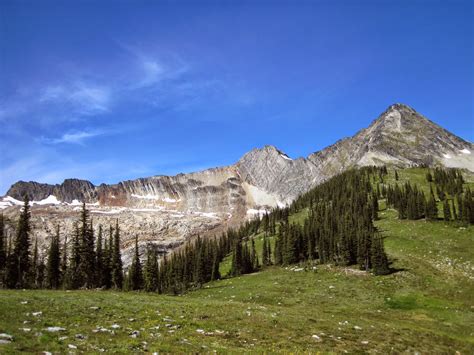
(400, 136)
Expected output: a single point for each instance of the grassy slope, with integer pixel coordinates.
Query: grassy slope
(427, 307)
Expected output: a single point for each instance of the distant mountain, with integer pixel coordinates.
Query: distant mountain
(167, 209)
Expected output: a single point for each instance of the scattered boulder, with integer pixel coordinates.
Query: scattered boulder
(54, 329)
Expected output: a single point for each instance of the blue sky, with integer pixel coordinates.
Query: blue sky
(114, 90)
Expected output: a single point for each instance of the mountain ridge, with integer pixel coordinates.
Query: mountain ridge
(366, 144)
(166, 210)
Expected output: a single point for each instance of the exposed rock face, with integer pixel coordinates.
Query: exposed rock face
(400, 136)
(166, 210)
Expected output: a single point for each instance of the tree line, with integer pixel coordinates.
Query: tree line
(337, 228)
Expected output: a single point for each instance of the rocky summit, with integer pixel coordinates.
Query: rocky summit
(166, 210)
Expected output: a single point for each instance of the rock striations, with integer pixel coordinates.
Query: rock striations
(166, 210)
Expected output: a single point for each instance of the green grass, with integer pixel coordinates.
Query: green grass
(427, 306)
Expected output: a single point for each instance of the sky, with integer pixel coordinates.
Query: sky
(114, 90)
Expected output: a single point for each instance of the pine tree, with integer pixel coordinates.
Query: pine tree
(254, 256)
(20, 274)
(380, 263)
(99, 254)
(87, 254)
(74, 277)
(237, 264)
(106, 276)
(265, 261)
(117, 272)
(151, 273)
(431, 210)
(429, 177)
(39, 274)
(34, 264)
(64, 263)
(216, 275)
(135, 275)
(53, 268)
(396, 175)
(446, 211)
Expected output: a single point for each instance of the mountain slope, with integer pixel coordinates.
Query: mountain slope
(168, 209)
(425, 307)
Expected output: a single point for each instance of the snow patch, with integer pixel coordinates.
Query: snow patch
(447, 156)
(284, 156)
(159, 209)
(208, 214)
(50, 200)
(146, 197)
(113, 211)
(465, 151)
(170, 200)
(254, 212)
(13, 200)
(75, 203)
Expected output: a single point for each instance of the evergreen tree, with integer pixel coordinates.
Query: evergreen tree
(216, 275)
(53, 268)
(20, 274)
(34, 265)
(117, 272)
(99, 254)
(265, 261)
(106, 276)
(87, 253)
(151, 273)
(380, 263)
(39, 274)
(74, 277)
(237, 263)
(431, 211)
(446, 210)
(135, 275)
(64, 264)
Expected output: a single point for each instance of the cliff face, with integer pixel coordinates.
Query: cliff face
(166, 210)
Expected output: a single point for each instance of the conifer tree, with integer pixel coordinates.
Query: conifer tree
(446, 210)
(64, 263)
(151, 274)
(216, 275)
(380, 263)
(265, 261)
(53, 268)
(87, 253)
(106, 276)
(74, 277)
(20, 274)
(39, 274)
(99, 254)
(237, 264)
(34, 264)
(117, 272)
(135, 275)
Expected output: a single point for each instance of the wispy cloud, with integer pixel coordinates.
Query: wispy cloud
(77, 137)
(84, 99)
